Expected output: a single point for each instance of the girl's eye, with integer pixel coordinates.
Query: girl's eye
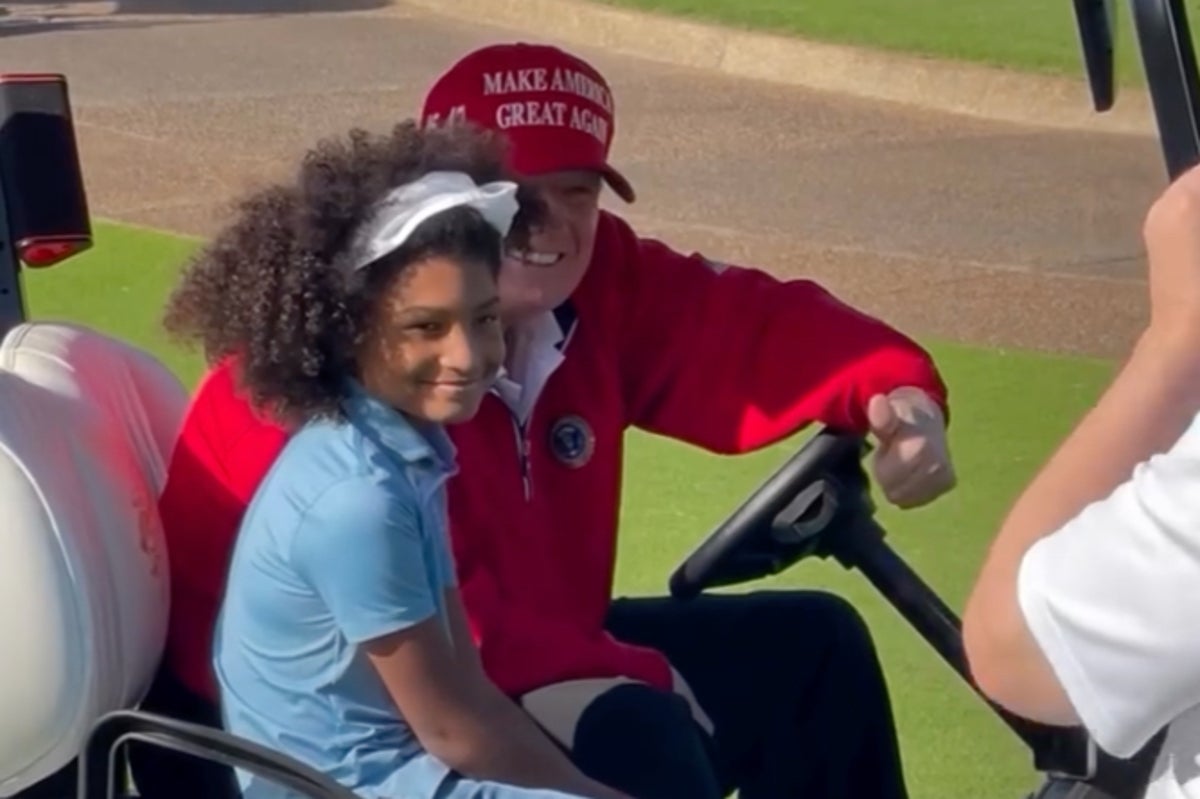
(489, 318)
(427, 328)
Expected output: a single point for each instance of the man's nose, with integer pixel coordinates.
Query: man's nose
(551, 217)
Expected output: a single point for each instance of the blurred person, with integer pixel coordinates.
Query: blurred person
(1085, 609)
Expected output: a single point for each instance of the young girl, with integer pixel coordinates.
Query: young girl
(361, 303)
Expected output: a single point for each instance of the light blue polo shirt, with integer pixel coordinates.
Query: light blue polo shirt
(345, 541)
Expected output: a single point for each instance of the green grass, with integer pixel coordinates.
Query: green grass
(120, 286)
(1032, 35)
(1010, 409)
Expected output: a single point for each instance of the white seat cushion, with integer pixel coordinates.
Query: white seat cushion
(87, 424)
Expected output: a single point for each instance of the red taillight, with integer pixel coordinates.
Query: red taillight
(50, 250)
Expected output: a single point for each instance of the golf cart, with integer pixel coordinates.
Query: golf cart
(86, 431)
(89, 422)
(818, 503)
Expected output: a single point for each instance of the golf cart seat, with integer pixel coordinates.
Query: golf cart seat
(87, 424)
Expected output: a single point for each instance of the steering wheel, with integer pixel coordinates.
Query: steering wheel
(782, 520)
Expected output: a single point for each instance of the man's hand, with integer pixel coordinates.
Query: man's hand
(912, 461)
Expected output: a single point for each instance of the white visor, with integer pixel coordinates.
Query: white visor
(396, 216)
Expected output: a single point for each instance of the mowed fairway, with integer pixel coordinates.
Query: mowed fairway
(1031, 35)
(1009, 410)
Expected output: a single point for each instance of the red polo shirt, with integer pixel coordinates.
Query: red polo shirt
(223, 452)
(729, 359)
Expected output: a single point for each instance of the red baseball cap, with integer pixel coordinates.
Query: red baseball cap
(555, 108)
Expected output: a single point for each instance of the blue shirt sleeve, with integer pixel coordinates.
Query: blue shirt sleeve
(442, 545)
(360, 547)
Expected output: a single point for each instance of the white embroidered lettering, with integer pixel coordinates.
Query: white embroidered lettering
(456, 114)
(531, 112)
(492, 82)
(510, 115)
(537, 79)
(589, 122)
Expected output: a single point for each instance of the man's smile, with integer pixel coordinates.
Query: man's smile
(536, 258)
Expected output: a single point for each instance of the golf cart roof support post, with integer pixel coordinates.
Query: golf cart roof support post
(12, 299)
(1169, 60)
(1096, 38)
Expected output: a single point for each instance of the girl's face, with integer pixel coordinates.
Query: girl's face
(435, 343)
(543, 275)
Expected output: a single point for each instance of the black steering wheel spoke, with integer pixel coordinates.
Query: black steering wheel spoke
(789, 518)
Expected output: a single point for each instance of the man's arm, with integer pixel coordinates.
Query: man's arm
(1077, 610)
(732, 359)
(220, 456)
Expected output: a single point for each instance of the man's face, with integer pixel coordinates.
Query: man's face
(543, 275)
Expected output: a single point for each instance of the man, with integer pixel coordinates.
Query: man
(1085, 609)
(778, 694)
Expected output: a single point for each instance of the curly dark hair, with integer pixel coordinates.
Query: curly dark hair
(271, 288)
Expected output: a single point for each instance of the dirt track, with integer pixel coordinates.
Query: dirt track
(951, 227)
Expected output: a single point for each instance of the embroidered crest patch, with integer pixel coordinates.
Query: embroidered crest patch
(572, 441)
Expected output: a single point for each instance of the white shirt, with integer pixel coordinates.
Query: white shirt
(1113, 599)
